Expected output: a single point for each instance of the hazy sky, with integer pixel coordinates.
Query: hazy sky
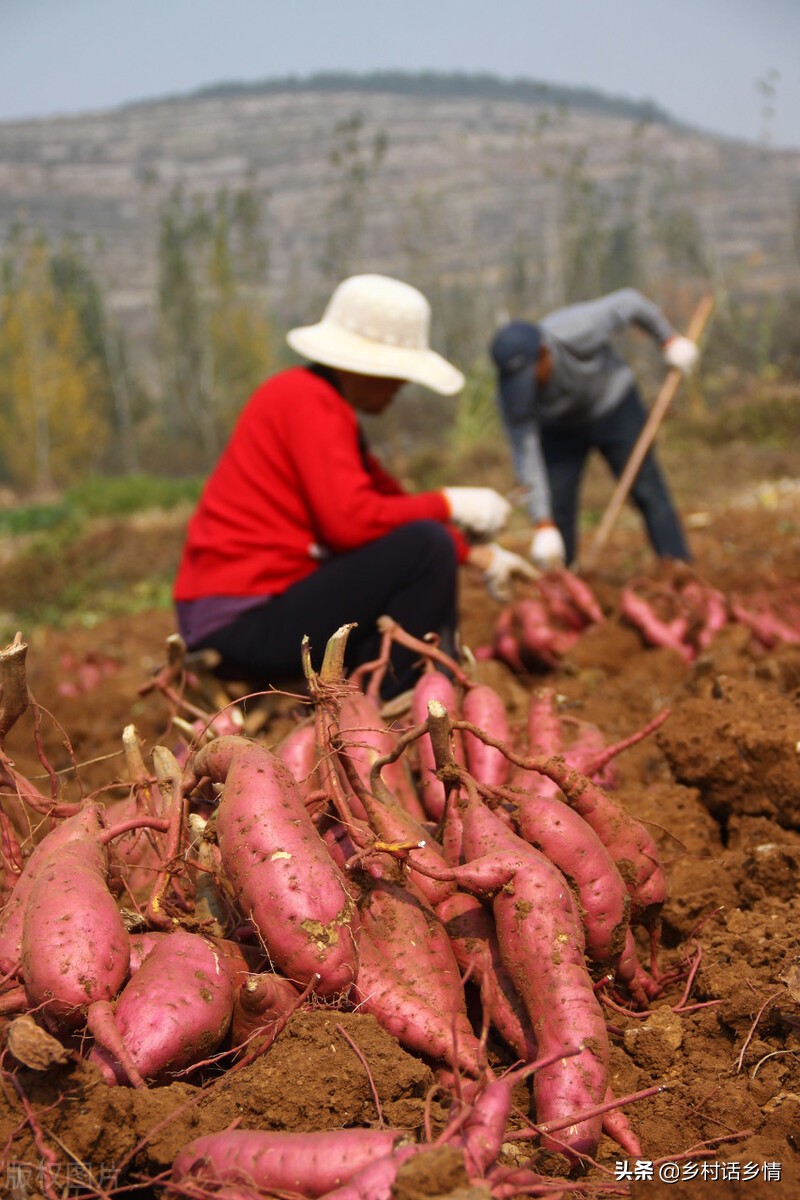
(701, 60)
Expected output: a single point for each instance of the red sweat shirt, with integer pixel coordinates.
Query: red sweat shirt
(293, 485)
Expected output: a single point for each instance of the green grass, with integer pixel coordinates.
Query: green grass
(98, 497)
(127, 494)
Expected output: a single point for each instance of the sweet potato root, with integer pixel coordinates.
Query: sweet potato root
(308, 1164)
(75, 948)
(270, 850)
(174, 1011)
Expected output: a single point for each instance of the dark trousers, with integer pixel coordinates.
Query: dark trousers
(614, 435)
(409, 574)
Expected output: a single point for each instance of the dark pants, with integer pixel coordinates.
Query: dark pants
(614, 435)
(409, 574)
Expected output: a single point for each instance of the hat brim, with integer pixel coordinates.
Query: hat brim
(517, 394)
(333, 346)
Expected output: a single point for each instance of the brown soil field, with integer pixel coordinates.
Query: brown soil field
(718, 785)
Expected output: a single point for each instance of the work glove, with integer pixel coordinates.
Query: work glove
(680, 352)
(479, 510)
(547, 548)
(504, 566)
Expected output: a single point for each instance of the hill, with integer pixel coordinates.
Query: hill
(530, 193)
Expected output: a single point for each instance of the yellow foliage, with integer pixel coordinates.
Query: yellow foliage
(52, 424)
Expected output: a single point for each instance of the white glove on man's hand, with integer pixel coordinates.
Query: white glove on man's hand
(480, 510)
(680, 352)
(504, 566)
(547, 548)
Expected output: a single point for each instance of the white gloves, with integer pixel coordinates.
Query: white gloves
(680, 352)
(504, 566)
(547, 548)
(479, 510)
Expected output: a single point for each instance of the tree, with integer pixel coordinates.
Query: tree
(214, 334)
(106, 346)
(52, 420)
(355, 165)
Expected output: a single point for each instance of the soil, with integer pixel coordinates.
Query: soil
(718, 785)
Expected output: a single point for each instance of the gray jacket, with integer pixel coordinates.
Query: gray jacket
(588, 379)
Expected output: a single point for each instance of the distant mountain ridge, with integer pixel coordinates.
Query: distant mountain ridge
(513, 191)
(441, 84)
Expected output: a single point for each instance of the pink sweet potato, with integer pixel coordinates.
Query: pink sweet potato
(382, 991)
(433, 685)
(366, 738)
(484, 707)
(541, 942)
(306, 1164)
(481, 1138)
(544, 735)
(407, 932)
(572, 845)
(506, 646)
(404, 927)
(583, 751)
(174, 1011)
(298, 752)
(581, 596)
(656, 631)
(473, 937)
(376, 1180)
(540, 639)
(627, 840)
(542, 947)
(261, 1000)
(270, 850)
(75, 948)
(710, 608)
(86, 823)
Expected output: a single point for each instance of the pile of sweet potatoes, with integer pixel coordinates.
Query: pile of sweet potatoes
(476, 891)
(537, 629)
(678, 610)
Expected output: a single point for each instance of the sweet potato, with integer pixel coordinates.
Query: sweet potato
(308, 1164)
(627, 840)
(581, 596)
(143, 944)
(174, 1011)
(376, 1180)
(365, 738)
(563, 836)
(298, 751)
(381, 991)
(75, 948)
(540, 640)
(585, 748)
(433, 685)
(541, 941)
(406, 930)
(506, 647)
(270, 850)
(392, 822)
(482, 706)
(481, 1138)
(711, 609)
(544, 735)
(260, 1001)
(473, 937)
(86, 823)
(656, 631)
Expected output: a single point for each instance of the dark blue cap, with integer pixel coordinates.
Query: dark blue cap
(514, 350)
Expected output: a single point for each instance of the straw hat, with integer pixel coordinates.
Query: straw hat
(375, 325)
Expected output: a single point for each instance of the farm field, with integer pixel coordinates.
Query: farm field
(718, 786)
